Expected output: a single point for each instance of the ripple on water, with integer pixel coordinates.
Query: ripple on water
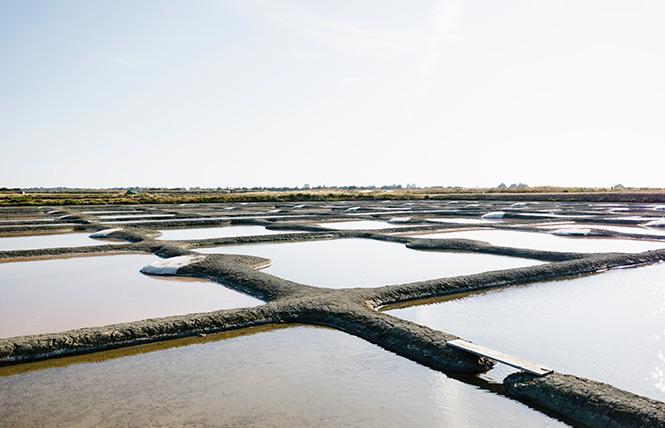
(300, 376)
(609, 327)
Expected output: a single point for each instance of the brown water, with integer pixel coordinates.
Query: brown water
(217, 232)
(55, 295)
(342, 263)
(31, 242)
(295, 377)
(545, 241)
(608, 327)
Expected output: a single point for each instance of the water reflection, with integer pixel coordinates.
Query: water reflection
(462, 220)
(32, 242)
(545, 241)
(609, 327)
(217, 232)
(621, 229)
(360, 225)
(133, 216)
(342, 263)
(55, 295)
(301, 376)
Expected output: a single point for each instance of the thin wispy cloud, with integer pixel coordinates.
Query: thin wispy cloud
(444, 19)
(421, 48)
(341, 37)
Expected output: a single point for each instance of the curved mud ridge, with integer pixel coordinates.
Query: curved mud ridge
(353, 310)
(586, 402)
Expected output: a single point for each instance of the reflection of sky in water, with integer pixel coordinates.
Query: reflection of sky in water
(461, 220)
(545, 241)
(608, 327)
(360, 224)
(61, 294)
(131, 216)
(342, 263)
(299, 376)
(217, 232)
(31, 242)
(658, 293)
(621, 229)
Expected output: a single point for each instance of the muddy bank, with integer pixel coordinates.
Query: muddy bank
(587, 402)
(469, 245)
(287, 237)
(399, 293)
(33, 348)
(349, 310)
(410, 340)
(71, 251)
(558, 197)
(40, 229)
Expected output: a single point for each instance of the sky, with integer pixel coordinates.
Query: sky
(281, 93)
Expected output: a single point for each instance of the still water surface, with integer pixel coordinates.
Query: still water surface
(294, 377)
(360, 225)
(545, 241)
(217, 232)
(342, 263)
(609, 327)
(621, 229)
(132, 216)
(462, 220)
(46, 296)
(32, 242)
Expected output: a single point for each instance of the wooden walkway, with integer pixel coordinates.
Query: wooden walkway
(518, 363)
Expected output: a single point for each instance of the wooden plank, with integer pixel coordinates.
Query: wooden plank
(518, 363)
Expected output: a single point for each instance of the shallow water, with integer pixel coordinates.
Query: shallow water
(545, 241)
(162, 220)
(44, 226)
(461, 220)
(265, 217)
(553, 215)
(54, 295)
(112, 212)
(31, 242)
(621, 229)
(217, 232)
(133, 216)
(395, 212)
(342, 263)
(635, 218)
(360, 225)
(609, 327)
(300, 376)
(32, 219)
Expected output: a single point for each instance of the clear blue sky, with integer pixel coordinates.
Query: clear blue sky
(233, 93)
